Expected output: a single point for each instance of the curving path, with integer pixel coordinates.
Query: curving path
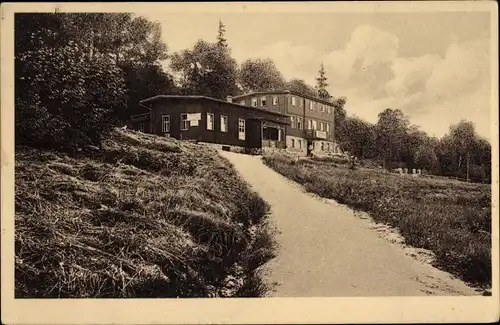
(324, 250)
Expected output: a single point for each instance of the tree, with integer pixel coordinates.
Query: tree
(463, 136)
(462, 153)
(391, 129)
(426, 158)
(144, 81)
(221, 40)
(260, 75)
(321, 84)
(119, 35)
(411, 142)
(300, 86)
(71, 70)
(480, 166)
(356, 137)
(339, 115)
(208, 69)
(65, 101)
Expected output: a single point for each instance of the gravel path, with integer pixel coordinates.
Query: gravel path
(325, 250)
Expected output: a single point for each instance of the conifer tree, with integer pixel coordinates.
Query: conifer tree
(321, 84)
(221, 40)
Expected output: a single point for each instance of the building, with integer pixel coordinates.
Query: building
(311, 128)
(209, 120)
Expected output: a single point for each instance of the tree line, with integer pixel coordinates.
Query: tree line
(394, 142)
(80, 74)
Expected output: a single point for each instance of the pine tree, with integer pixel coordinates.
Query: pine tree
(321, 84)
(322, 78)
(221, 40)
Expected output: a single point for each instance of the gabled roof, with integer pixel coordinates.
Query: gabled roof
(159, 97)
(277, 92)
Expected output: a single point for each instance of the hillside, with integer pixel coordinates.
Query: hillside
(143, 216)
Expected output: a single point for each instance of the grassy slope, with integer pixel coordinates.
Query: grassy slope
(144, 217)
(450, 218)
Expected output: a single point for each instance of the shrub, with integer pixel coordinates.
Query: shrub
(65, 100)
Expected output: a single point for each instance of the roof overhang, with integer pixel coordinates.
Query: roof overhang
(184, 97)
(280, 92)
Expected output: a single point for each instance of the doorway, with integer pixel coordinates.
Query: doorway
(310, 147)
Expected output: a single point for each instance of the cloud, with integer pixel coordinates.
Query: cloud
(410, 74)
(368, 47)
(434, 89)
(291, 60)
(463, 69)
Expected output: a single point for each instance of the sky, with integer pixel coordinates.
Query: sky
(435, 66)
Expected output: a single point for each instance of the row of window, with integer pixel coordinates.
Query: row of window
(296, 123)
(299, 144)
(325, 146)
(312, 105)
(185, 123)
(263, 101)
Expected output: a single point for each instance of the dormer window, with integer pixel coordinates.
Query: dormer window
(263, 101)
(294, 102)
(275, 100)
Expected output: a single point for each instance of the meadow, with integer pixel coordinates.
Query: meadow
(448, 217)
(142, 217)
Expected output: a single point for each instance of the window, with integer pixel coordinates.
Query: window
(223, 123)
(309, 124)
(300, 144)
(184, 122)
(321, 126)
(293, 101)
(327, 127)
(311, 106)
(322, 146)
(254, 101)
(314, 125)
(322, 107)
(275, 100)
(299, 122)
(165, 122)
(210, 121)
(292, 122)
(241, 129)
(293, 143)
(263, 101)
(329, 109)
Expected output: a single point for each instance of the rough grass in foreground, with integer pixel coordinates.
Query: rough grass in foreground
(448, 217)
(143, 217)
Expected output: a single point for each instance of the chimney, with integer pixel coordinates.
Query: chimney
(229, 99)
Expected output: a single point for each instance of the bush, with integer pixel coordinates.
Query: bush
(64, 99)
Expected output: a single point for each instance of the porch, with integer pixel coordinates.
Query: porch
(264, 133)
